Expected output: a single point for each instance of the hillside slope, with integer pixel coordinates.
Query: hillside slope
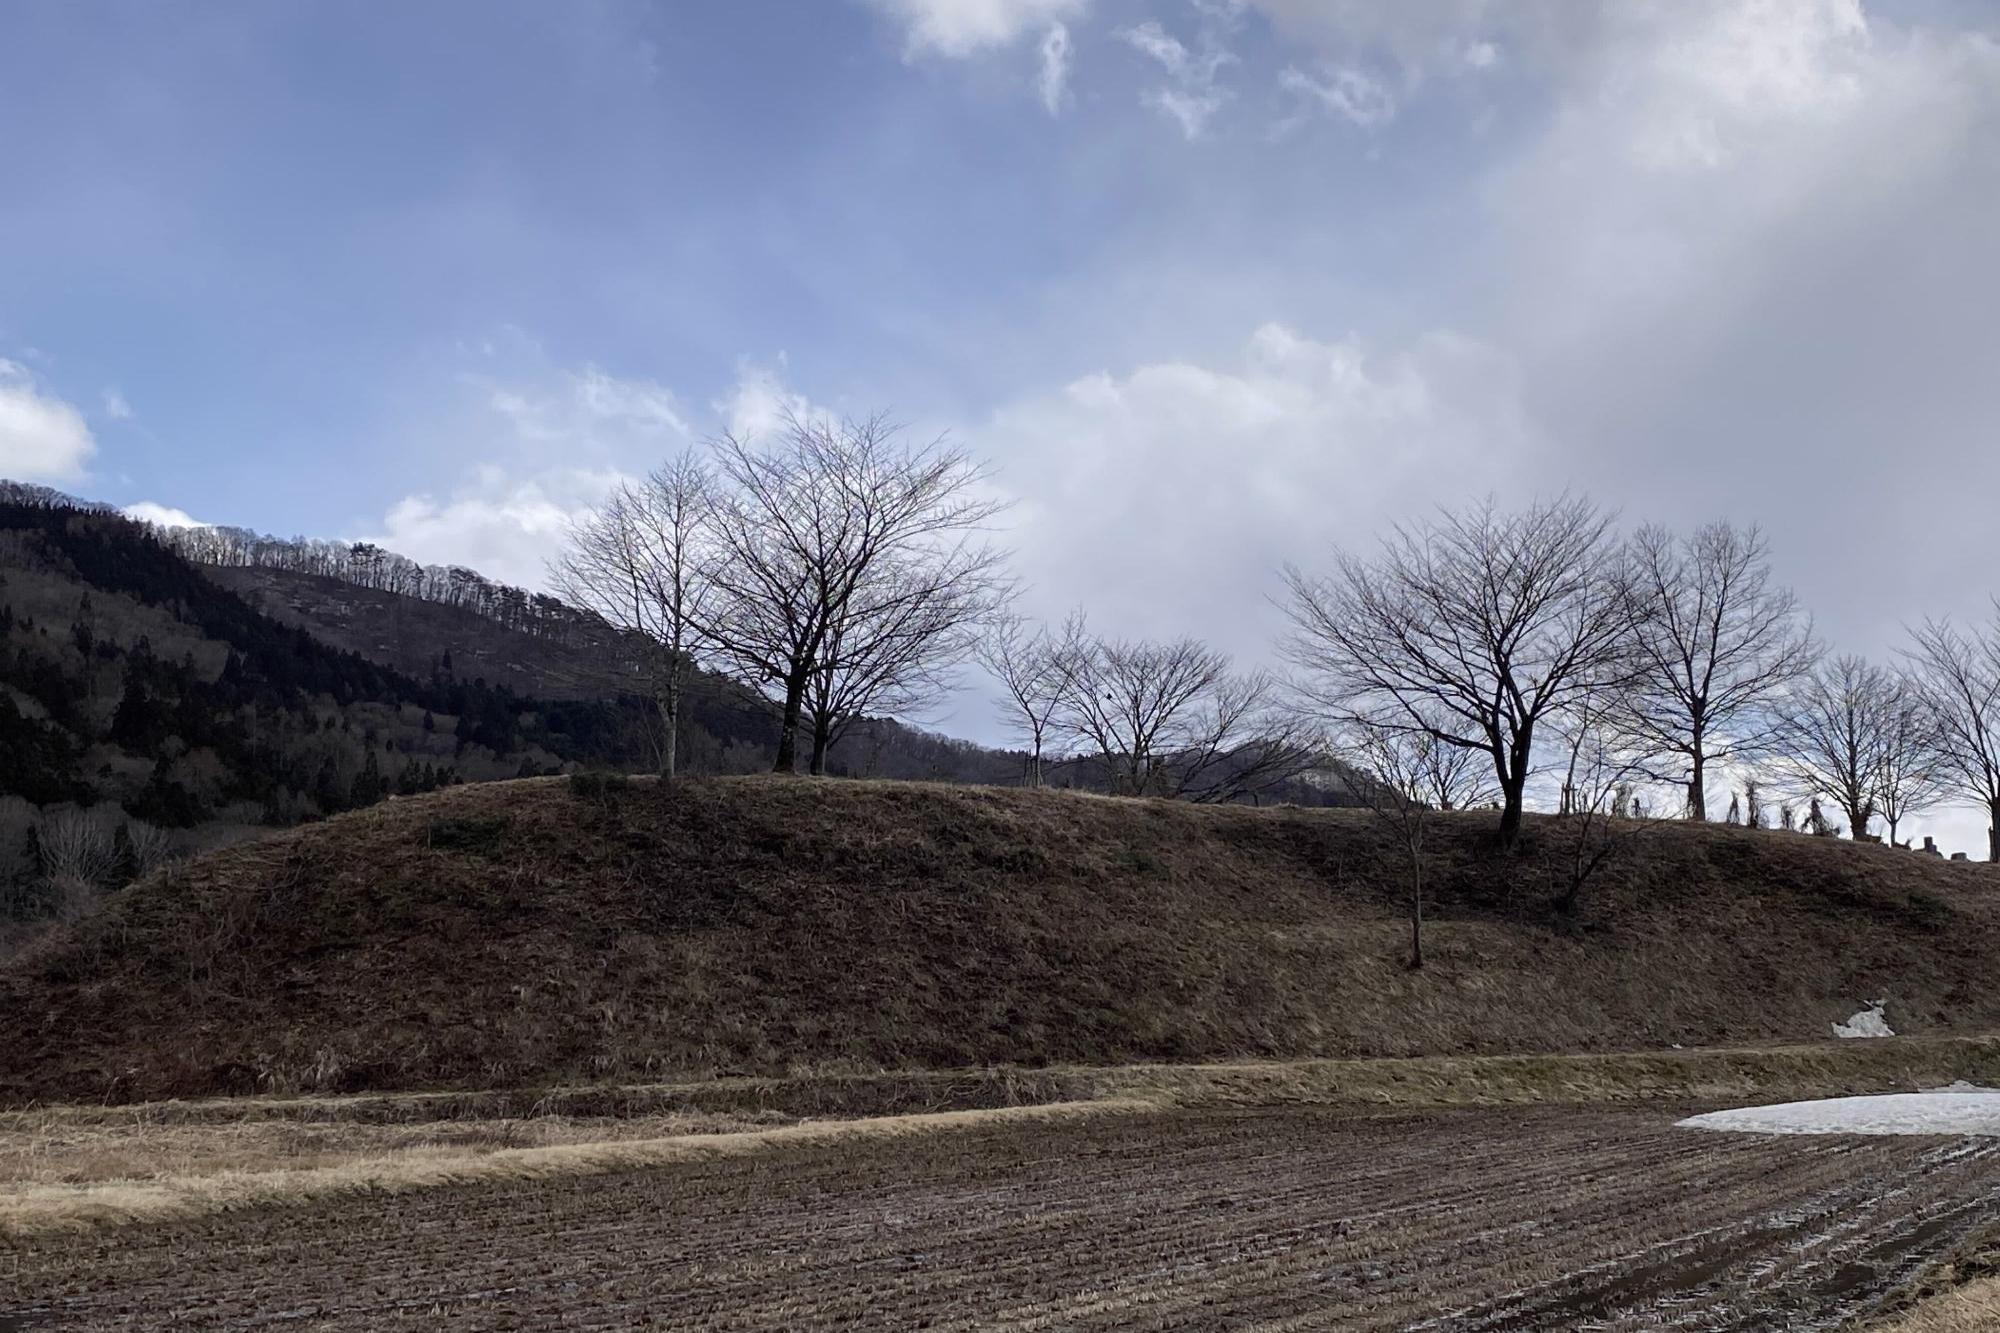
(729, 728)
(412, 635)
(128, 679)
(519, 932)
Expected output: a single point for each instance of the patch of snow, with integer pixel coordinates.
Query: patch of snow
(1868, 1023)
(1961, 1085)
(1959, 1109)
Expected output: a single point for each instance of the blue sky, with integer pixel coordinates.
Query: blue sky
(284, 234)
(1215, 284)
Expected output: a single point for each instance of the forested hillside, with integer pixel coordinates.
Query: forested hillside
(730, 728)
(145, 708)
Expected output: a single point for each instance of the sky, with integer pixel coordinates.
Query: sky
(1212, 284)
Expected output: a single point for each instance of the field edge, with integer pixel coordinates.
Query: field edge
(835, 1106)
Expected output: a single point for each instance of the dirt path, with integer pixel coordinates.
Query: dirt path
(1510, 1220)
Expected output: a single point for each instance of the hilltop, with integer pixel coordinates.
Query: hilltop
(527, 932)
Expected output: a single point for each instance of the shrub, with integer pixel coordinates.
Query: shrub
(598, 786)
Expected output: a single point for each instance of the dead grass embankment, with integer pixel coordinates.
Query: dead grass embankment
(515, 934)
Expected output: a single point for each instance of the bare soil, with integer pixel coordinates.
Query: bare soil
(1547, 1218)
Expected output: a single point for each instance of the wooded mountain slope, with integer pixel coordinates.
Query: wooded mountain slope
(521, 932)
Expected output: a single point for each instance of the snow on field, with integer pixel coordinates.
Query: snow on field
(1961, 1108)
(1868, 1023)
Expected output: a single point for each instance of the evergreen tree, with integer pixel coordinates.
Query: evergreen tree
(368, 786)
(135, 725)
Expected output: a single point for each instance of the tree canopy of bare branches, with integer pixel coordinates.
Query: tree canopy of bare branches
(1910, 774)
(895, 644)
(1402, 764)
(1602, 817)
(1715, 644)
(1835, 733)
(1958, 677)
(1472, 628)
(1030, 667)
(1169, 718)
(845, 553)
(641, 563)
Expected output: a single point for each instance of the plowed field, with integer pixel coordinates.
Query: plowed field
(1549, 1218)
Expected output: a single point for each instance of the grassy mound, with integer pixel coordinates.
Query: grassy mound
(523, 933)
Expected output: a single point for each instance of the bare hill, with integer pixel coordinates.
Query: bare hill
(520, 932)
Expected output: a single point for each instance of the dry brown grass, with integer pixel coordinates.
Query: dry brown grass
(51, 1148)
(510, 934)
(1973, 1308)
(28, 1211)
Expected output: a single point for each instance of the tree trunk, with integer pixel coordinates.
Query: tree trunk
(1416, 911)
(1993, 831)
(1892, 831)
(788, 727)
(1697, 788)
(1513, 789)
(822, 732)
(1035, 766)
(670, 724)
(1857, 821)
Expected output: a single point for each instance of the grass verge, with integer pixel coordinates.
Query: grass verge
(68, 1168)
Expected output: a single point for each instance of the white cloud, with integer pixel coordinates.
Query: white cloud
(1747, 267)
(589, 406)
(115, 405)
(1166, 498)
(556, 442)
(1190, 110)
(1344, 91)
(166, 516)
(1056, 58)
(760, 401)
(1192, 94)
(960, 28)
(505, 527)
(1153, 40)
(551, 442)
(42, 438)
(1442, 38)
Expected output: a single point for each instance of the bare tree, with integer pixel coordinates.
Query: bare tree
(895, 644)
(1601, 815)
(1169, 718)
(1450, 777)
(1833, 734)
(1958, 678)
(1134, 703)
(1240, 743)
(641, 562)
(811, 529)
(1399, 766)
(1030, 668)
(1910, 775)
(1715, 643)
(1472, 629)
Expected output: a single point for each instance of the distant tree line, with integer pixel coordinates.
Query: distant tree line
(1665, 658)
(363, 564)
(367, 565)
(841, 569)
